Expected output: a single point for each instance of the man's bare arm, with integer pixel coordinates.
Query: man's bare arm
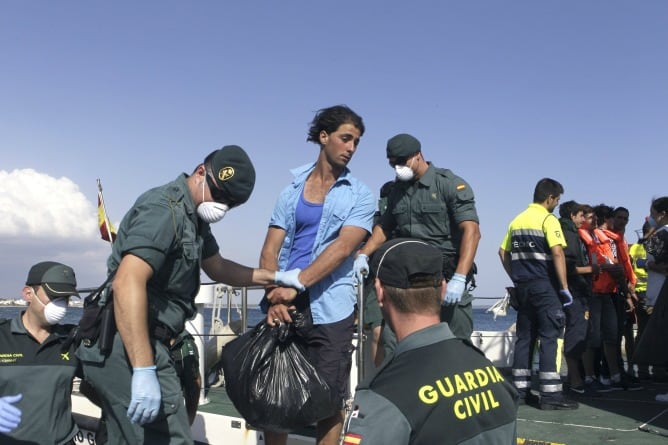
(468, 247)
(131, 309)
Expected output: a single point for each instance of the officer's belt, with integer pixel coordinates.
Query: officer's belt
(163, 333)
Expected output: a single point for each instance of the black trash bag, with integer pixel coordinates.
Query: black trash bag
(270, 381)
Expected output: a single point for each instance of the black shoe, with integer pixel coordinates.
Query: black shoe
(583, 390)
(562, 403)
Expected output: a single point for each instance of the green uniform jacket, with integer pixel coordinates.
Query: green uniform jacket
(430, 209)
(435, 389)
(163, 229)
(43, 373)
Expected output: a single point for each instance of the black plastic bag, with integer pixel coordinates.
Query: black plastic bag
(270, 381)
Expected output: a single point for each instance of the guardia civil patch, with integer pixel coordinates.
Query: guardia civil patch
(225, 173)
(352, 439)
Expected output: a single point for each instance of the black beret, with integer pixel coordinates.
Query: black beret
(57, 279)
(408, 263)
(402, 145)
(233, 173)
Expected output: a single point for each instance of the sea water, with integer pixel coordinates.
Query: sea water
(482, 320)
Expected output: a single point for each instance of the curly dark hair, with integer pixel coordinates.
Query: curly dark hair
(330, 119)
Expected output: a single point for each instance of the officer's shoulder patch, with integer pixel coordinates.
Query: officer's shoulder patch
(352, 439)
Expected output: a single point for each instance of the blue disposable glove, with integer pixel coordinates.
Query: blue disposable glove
(145, 402)
(289, 278)
(10, 416)
(361, 265)
(566, 297)
(455, 289)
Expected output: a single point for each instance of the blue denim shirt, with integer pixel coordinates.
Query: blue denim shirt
(349, 202)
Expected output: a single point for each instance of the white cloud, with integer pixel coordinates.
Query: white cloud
(36, 205)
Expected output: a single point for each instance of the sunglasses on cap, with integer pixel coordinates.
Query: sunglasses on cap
(402, 160)
(217, 194)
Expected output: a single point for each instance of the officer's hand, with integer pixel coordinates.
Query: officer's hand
(361, 265)
(10, 416)
(566, 297)
(455, 289)
(145, 402)
(289, 278)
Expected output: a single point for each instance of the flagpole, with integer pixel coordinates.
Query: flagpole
(104, 209)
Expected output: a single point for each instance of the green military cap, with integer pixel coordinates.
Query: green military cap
(56, 279)
(408, 263)
(402, 145)
(233, 175)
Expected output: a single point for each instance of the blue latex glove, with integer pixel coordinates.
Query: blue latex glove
(289, 278)
(145, 402)
(10, 416)
(566, 297)
(361, 265)
(455, 289)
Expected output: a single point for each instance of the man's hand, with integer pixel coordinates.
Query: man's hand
(455, 289)
(566, 297)
(10, 416)
(289, 278)
(361, 265)
(283, 295)
(277, 314)
(145, 402)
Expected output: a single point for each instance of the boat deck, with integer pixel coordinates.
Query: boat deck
(624, 417)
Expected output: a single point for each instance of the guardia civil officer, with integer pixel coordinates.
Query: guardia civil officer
(436, 206)
(155, 265)
(532, 253)
(435, 388)
(37, 362)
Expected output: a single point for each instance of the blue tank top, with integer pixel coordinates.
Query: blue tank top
(307, 220)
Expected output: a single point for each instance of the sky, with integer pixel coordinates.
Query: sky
(503, 93)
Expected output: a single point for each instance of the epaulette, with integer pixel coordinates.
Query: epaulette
(458, 183)
(445, 172)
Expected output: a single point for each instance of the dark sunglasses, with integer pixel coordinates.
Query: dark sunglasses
(400, 161)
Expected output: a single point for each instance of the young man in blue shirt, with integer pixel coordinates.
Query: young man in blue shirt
(318, 222)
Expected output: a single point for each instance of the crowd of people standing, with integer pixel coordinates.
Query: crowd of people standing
(578, 284)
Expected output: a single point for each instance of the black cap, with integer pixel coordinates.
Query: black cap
(57, 279)
(233, 173)
(408, 263)
(402, 145)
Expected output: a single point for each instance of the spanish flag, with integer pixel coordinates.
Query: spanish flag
(352, 439)
(106, 228)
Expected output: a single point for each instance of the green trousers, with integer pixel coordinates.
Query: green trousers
(112, 379)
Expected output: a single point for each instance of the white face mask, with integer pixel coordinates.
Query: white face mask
(404, 172)
(54, 310)
(211, 212)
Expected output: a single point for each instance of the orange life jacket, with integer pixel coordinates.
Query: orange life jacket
(599, 248)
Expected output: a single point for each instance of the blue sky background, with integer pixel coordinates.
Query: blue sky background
(502, 93)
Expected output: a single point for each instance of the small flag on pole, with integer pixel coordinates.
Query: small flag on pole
(106, 228)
